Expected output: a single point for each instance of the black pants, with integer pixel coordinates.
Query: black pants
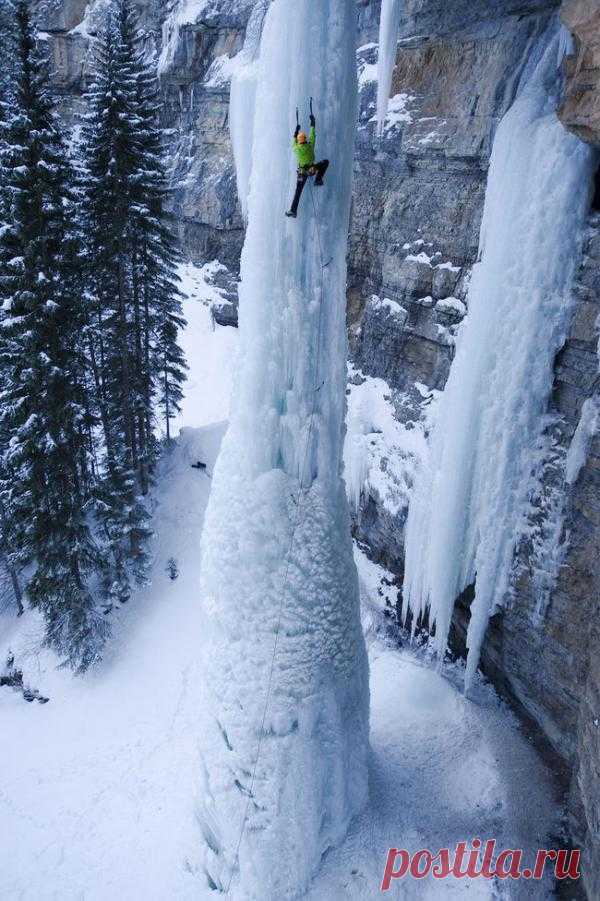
(318, 169)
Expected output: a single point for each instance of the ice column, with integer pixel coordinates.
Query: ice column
(388, 42)
(276, 549)
(242, 101)
(468, 499)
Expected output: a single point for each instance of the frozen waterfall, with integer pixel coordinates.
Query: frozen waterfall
(242, 100)
(388, 42)
(277, 565)
(468, 499)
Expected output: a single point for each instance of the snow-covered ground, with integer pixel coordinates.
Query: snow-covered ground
(210, 350)
(97, 786)
(443, 769)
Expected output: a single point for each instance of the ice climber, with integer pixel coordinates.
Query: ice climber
(304, 149)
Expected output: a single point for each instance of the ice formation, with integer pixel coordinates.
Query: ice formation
(380, 453)
(580, 445)
(182, 12)
(242, 101)
(388, 40)
(469, 496)
(277, 564)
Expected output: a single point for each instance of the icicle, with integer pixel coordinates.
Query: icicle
(179, 13)
(469, 497)
(580, 444)
(242, 101)
(388, 42)
(566, 44)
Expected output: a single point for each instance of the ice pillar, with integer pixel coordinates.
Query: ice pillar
(279, 580)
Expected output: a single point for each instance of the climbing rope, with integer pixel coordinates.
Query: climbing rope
(318, 386)
(288, 556)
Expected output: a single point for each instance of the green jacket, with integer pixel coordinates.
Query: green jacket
(305, 153)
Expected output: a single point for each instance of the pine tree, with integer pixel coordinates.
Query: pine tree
(162, 361)
(135, 311)
(43, 410)
(8, 51)
(10, 558)
(108, 146)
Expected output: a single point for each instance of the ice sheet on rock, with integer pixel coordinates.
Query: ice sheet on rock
(277, 533)
(380, 452)
(388, 40)
(566, 44)
(580, 444)
(182, 12)
(469, 498)
(242, 102)
(221, 71)
(543, 535)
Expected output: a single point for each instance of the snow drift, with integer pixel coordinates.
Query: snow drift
(464, 515)
(276, 552)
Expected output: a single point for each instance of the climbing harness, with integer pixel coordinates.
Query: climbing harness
(297, 523)
(307, 165)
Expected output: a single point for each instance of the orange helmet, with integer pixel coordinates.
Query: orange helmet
(301, 137)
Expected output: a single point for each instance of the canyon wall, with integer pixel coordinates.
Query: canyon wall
(417, 206)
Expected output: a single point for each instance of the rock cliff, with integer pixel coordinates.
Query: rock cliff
(417, 207)
(580, 109)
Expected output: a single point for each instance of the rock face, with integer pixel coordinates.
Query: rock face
(67, 25)
(193, 52)
(574, 624)
(419, 195)
(195, 80)
(580, 110)
(417, 211)
(417, 207)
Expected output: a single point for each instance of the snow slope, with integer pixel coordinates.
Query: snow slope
(210, 351)
(288, 669)
(443, 769)
(97, 786)
(96, 797)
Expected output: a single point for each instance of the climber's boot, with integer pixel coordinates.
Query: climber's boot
(320, 170)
